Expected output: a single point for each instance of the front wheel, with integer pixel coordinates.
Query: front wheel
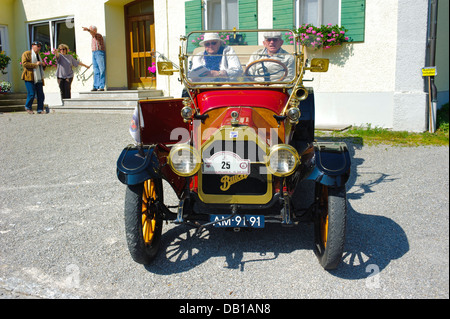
(143, 220)
(329, 225)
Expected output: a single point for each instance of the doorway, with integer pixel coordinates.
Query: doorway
(140, 28)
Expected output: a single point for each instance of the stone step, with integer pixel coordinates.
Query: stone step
(111, 99)
(15, 102)
(18, 108)
(13, 96)
(98, 101)
(123, 101)
(122, 94)
(110, 102)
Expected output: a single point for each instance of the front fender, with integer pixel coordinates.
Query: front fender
(134, 167)
(332, 164)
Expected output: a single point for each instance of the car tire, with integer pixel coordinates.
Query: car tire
(143, 220)
(330, 225)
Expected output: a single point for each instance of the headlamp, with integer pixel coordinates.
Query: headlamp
(283, 159)
(184, 160)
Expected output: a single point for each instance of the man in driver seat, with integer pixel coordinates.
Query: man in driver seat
(271, 71)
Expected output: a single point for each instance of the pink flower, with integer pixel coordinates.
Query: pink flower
(342, 32)
(330, 24)
(291, 42)
(346, 38)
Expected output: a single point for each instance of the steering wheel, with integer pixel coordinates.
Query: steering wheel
(283, 76)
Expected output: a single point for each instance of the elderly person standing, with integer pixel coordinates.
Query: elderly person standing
(270, 71)
(33, 75)
(64, 72)
(98, 58)
(218, 59)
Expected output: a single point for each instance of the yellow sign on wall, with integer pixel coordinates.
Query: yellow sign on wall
(429, 71)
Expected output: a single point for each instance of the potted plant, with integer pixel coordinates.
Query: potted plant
(4, 61)
(49, 58)
(152, 70)
(325, 36)
(5, 87)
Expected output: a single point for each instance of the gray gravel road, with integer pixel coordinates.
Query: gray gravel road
(62, 234)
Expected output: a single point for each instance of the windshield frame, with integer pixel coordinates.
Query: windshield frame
(297, 54)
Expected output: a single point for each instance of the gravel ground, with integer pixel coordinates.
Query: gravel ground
(62, 236)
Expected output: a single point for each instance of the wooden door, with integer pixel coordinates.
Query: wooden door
(141, 43)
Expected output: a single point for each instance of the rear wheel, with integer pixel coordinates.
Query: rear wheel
(143, 220)
(329, 225)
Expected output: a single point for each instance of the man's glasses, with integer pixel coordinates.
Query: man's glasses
(207, 44)
(272, 39)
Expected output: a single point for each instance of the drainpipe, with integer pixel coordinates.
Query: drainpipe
(431, 47)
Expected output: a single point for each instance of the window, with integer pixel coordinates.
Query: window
(54, 32)
(318, 12)
(2, 38)
(221, 14)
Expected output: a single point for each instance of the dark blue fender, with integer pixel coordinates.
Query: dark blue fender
(332, 164)
(134, 167)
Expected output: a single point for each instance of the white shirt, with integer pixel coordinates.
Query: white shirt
(272, 68)
(229, 63)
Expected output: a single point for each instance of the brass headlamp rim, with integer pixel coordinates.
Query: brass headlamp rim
(192, 150)
(277, 148)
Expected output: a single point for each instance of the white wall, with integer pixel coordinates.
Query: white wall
(379, 80)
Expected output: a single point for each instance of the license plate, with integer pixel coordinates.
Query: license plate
(226, 163)
(252, 221)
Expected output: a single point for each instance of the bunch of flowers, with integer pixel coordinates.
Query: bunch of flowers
(4, 61)
(325, 36)
(49, 58)
(5, 87)
(152, 69)
(227, 37)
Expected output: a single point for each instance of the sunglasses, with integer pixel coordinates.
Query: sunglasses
(207, 44)
(272, 39)
(62, 49)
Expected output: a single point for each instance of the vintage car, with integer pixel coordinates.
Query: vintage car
(238, 148)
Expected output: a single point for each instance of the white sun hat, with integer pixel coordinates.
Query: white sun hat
(210, 37)
(269, 35)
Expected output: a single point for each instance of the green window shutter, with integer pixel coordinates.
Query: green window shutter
(283, 14)
(193, 15)
(193, 18)
(248, 19)
(353, 14)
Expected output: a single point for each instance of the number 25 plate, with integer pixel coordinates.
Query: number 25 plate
(226, 163)
(253, 221)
